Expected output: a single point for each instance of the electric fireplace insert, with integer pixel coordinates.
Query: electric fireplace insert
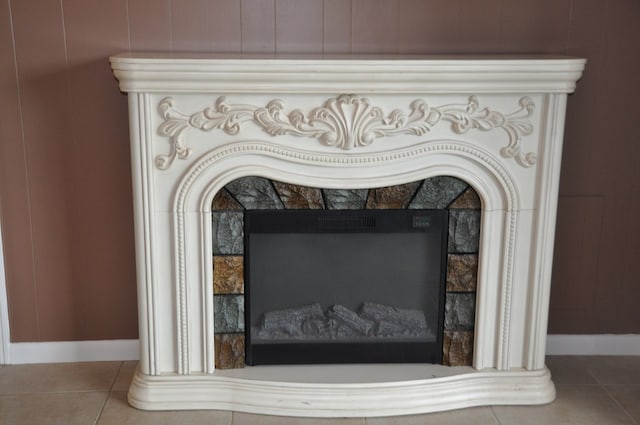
(344, 286)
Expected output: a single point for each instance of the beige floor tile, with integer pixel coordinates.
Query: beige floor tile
(614, 370)
(574, 405)
(118, 412)
(629, 398)
(123, 380)
(51, 409)
(569, 370)
(57, 377)
(472, 416)
(250, 419)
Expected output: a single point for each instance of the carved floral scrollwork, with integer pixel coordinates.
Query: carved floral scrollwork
(221, 116)
(347, 122)
(515, 124)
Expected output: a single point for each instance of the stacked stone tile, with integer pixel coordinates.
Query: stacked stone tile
(259, 193)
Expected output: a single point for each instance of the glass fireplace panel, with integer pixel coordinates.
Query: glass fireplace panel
(344, 286)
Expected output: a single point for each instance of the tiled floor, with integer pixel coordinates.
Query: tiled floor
(591, 390)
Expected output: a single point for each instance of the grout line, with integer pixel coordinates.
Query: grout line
(495, 415)
(597, 381)
(617, 403)
(115, 377)
(104, 403)
(54, 392)
(101, 409)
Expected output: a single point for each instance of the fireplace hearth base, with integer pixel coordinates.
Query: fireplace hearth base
(342, 390)
(198, 122)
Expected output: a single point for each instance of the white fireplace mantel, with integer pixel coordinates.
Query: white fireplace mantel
(200, 121)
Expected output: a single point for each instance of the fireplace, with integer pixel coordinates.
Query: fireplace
(199, 123)
(246, 194)
(344, 286)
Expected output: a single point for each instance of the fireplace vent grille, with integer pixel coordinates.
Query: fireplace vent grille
(346, 222)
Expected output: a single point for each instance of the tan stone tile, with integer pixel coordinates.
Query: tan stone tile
(57, 377)
(462, 272)
(457, 348)
(299, 197)
(614, 370)
(229, 351)
(468, 199)
(228, 274)
(471, 416)
(629, 398)
(118, 412)
(574, 405)
(569, 370)
(250, 419)
(224, 202)
(392, 197)
(78, 408)
(125, 374)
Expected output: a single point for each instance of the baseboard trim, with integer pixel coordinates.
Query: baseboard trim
(593, 345)
(73, 351)
(129, 349)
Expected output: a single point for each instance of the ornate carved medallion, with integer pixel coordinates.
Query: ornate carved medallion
(347, 122)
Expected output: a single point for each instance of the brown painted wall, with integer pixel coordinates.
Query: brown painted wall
(64, 159)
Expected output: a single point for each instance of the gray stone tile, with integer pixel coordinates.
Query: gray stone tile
(574, 405)
(77, 408)
(569, 370)
(228, 232)
(251, 419)
(459, 311)
(438, 192)
(255, 193)
(471, 416)
(345, 199)
(228, 313)
(614, 370)
(464, 231)
(118, 412)
(58, 377)
(629, 398)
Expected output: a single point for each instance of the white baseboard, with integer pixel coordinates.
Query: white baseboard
(73, 351)
(593, 345)
(128, 349)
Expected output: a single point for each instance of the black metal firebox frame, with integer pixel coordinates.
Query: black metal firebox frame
(345, 221)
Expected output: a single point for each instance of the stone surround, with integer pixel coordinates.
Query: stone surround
(442, 192)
